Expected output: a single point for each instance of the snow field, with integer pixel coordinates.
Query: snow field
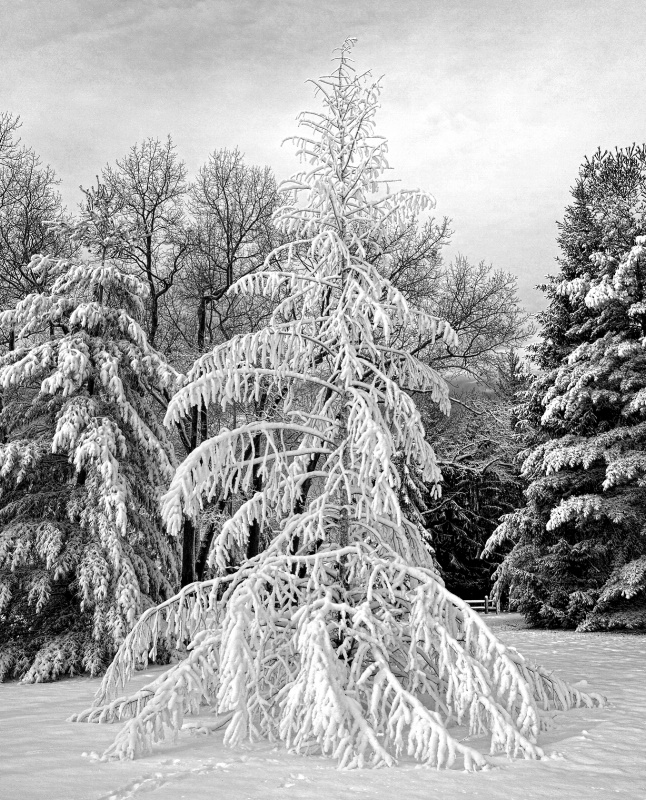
(591, 753)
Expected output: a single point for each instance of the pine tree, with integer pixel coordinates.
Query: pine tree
(580, 542)
(83, 461)
(340, 636)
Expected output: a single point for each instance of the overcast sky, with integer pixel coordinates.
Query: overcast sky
(489, 104)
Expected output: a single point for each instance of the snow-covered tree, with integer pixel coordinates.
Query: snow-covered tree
(339, 637)
(580, 542)
(83, 462)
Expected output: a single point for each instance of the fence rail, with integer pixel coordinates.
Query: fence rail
(484, 605)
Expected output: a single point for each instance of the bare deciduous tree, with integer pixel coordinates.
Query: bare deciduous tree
(150, 183)
(29, 203)
(410, 256)
(482, 306)
(231, 234)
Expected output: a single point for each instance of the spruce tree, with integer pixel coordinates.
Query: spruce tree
(579, 557)
(83, 461)
(339, 637)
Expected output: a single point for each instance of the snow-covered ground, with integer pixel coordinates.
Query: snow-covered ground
(591, 753)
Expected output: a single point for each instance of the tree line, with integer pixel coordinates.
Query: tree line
(185, 242)
(106, 309)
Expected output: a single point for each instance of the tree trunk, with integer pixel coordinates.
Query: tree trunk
(253, 543)
(204, 423)
(154, 300)
(201, 335)
(3, 430)
(192, 567)
(188, 552)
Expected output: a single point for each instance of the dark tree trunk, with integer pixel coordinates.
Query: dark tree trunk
(201, 334)
(193, 566)
(188, 552)
(205, 545)
(194, 428)
(11, 347)
(204, 423)
(154, 299)
(253, 543)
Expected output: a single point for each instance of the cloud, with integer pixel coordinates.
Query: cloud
(490, 106)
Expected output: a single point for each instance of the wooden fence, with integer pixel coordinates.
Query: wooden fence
(484, 606)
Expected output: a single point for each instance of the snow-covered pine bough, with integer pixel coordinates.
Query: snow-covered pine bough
(340, 637)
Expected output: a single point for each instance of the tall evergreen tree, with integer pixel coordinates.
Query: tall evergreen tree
(83, 462)
(580, 542)
(327, 639)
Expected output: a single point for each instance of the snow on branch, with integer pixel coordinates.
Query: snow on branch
(366, 671)
(339, 637)
(83, 363)
(225, 455)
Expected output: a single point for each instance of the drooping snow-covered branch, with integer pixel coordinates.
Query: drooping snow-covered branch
(85, 461)
(339, 637)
